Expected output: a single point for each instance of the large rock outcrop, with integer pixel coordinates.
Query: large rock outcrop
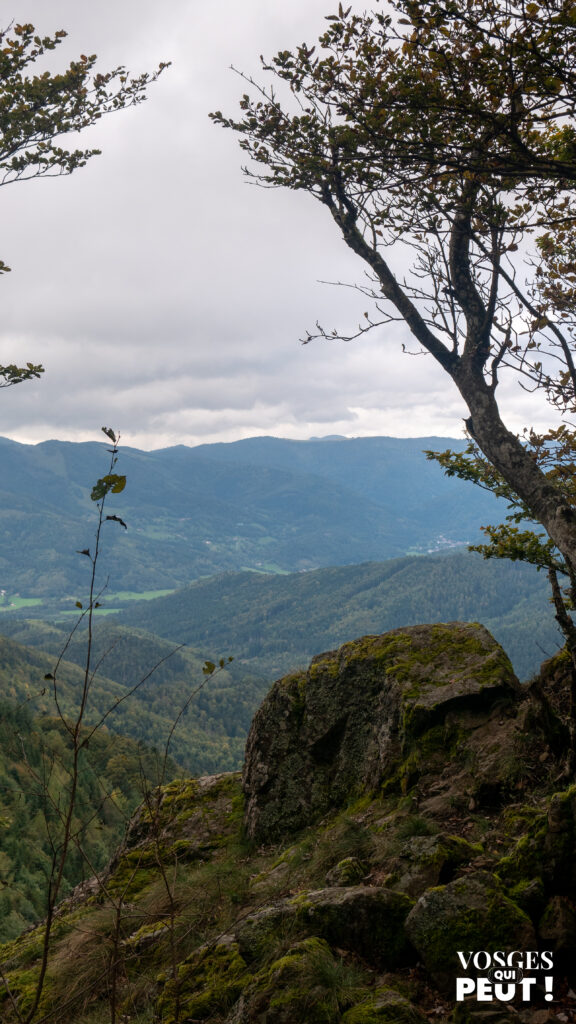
(429, 782)
(358, 717)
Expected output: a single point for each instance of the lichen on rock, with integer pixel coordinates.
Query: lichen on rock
(322, 737)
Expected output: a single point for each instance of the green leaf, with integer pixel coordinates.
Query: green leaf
(111, 483)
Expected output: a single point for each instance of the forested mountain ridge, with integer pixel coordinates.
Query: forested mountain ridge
(264, 503)
(209, 738)
(275, 623)
(269, 624)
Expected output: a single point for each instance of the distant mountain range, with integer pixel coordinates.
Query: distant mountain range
(226, 531)
(262, 504)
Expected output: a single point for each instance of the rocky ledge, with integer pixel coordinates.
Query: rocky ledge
(402, 801)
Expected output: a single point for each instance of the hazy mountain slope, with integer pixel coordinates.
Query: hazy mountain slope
(390, 471)
(263, 503)
(383, 468)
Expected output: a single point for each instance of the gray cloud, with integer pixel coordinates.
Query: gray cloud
(166, 296)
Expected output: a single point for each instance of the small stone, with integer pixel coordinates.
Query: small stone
(557, 927)
(347, 872)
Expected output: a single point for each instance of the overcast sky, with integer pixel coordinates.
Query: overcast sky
(164, 295)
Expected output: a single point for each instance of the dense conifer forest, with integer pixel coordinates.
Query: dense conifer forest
(35, 761)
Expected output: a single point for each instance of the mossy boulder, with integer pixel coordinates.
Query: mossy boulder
(307, 985)
(366, 919)
(427, 861)
(264, 929)
(186, 819)
(325, 736)
(530, 896)
(546, 851)
(208, 983)
(471, 913)
(347, 872)
(525, 862)
(384, 1006)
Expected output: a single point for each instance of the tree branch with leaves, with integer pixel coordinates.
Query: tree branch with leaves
(441, 138)
(38, 109)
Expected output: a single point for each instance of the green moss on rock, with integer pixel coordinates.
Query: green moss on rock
(355, 720)
(308, 985)
(183, 821)
(472, 912)
(208, 983)
(430, 860)
(526, 860)
(266, 929)
(348, 871)
(366, 919)
(384, 1005)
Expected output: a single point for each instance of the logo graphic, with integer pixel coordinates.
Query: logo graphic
(505, 976)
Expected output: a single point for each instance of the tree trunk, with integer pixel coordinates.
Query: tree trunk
(506, 453)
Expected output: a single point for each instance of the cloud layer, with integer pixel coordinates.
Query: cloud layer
(165, 295)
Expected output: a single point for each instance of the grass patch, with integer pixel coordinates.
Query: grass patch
(74, 612)
(9, 603)
(118, 599)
